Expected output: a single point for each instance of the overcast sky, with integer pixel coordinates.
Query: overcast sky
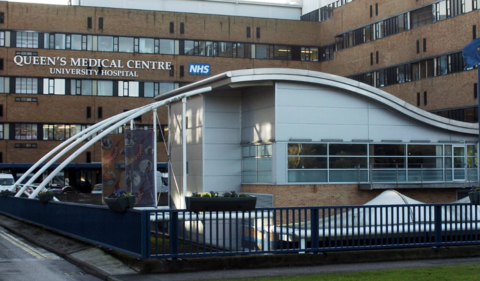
(66, 1)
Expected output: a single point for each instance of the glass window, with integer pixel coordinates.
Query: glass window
(128, 88)
(27, 39)
(2, 85)
(125, 44)
(225, 49)
(105, 88)
(282, 52)
(262, 51)
(25, 85)
(105, 43)
(54, 86)
(166, 87)
(189, 46)
(1, 132)
(151, 89)
(167, 46)
(2, 38)
(421, 17)
(307, 149)
(81, 87)
(425, 150)
(347, 149)
(60, 40)
(76, 42)
(25, 131)
(147, 46)
(210, 49)
(307, 162)
(387, 149)
(347, 162)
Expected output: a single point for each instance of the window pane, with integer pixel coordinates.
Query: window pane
(262, 51)
(347, 162)
(125, 44)
(387, 149)
(105, 43)
(166, 87)
(307, 162)
(167, 46)
(86, 88)
(76, 42)
(425, 150)
(133, 89)
(281, 52)
(105, 88)
(347, 149)
(189, 46)
(59, 86)
(148, 89)
(307, 149)
(60, 41)
(147, 45)
(225, 49)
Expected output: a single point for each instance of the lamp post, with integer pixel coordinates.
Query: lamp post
(471, 55)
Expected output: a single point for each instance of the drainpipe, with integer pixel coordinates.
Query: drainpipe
(184, 149)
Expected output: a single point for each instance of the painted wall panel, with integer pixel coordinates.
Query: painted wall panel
(322, 115)
(222, 151)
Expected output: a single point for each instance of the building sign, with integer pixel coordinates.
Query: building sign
(199, 69)
(83, 66)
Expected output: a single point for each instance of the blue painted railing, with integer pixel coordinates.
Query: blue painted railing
(180, 233)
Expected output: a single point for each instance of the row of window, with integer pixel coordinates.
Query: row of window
(125, 44)
(59, 132)
(60, 86)
(426, 15)
(438, 66)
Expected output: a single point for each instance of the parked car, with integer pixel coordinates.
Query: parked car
(69, 189)
(55, 188)
(97, 189)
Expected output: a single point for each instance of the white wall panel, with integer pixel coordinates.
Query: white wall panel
(222, 151)
(317, 132)
(231, 167)
(321, 115)
(222, 183)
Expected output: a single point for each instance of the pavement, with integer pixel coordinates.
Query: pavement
(114, 266)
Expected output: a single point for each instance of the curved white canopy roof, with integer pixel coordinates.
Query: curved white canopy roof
(268, 76)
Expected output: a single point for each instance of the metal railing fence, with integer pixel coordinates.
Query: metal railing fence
(181, 233)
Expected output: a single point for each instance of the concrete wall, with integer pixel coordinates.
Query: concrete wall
(258, 114)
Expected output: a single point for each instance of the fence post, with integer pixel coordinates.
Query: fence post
(438, 226)
(145, 233)
(173, 229)
(314, 229)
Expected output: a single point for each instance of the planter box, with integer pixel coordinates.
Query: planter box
(207, 204)
(474, 197)
(120, 204)
(6, 193)
(45, 197)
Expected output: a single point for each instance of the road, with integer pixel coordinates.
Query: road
(20, 260)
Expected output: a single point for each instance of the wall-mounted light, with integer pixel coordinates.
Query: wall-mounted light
(360, 140)
(391, 140)
(300, 140)
(332, 140)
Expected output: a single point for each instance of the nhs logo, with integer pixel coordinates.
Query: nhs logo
(199, 69)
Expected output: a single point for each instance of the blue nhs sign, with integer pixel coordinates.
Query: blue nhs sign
(199, 69)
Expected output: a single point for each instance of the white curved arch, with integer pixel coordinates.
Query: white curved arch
(105, 126)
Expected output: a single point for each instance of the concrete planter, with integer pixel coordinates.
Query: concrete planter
(474, 197)
(120, 204)
(207, 204)
(45, 197)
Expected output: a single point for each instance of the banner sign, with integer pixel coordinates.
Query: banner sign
(113, 164)
(199, 69)
(139, 168)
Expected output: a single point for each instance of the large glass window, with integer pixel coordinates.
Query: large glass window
(147, 45)
(257, 164)
(25, 131)
(128, 88)
(125, 44)
(262, 51)
(167, 46)
(282, 52)
(105, 43)
(59, 131)
(27, 39)
(81, 87)
(151, 89)
(54, 86)
(105, 88)
(76, 42)
(24, 85)
(225, 49)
